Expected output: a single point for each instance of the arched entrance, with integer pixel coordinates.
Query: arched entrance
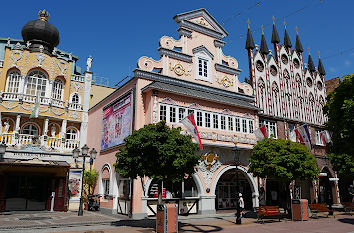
(325, 188)
(229, 183)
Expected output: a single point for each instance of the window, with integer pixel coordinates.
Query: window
(190, 111)
(271, 127)
(172, 114)
(124, 187)
(199, 118)
(75, 99)
(58, 87)
(237, 125)
(181, 113)
(203, 67)
(318, 138)
(215, 121)
(231, 123)
(207, 120)
(222, 122)
(13, 82)
(250, 125)
(105, 183)
(36, 83)
(163, 112)
(244, 125)
(30, 129)
(71, 134)
(292, 134)
(182, 189)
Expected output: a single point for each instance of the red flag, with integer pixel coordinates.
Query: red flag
(189, 123)
(261, 133)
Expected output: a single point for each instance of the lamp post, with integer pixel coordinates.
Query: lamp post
(236, 152)
(84, 153)
(2, 151)
(93, 154)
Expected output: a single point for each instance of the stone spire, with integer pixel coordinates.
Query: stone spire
(287, 42)
(311, 66)
(275, 36)
(298, 46)
(321, 69)
(249, 41)
(264, 47)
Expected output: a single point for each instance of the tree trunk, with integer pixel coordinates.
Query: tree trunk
(159, 192)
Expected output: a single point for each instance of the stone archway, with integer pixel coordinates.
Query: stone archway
(247, 176)
(326, 188)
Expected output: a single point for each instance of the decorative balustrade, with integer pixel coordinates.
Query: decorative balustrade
(78, 78)
(75, 106)
(50, 143)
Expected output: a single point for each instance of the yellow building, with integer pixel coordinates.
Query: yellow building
(44, 100)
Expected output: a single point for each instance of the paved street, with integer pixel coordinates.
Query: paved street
(94, 222)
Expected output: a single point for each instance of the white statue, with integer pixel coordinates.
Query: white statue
(53, 130)
(70, 56)
(28, 44)
(54, 52)
(6, 127)
(41, 48)
(8, 41)
(88, 63)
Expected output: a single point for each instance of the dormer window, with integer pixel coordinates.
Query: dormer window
(203, 60)
(203, 68)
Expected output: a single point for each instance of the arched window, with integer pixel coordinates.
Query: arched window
(36, 83)
(30, 129)
(58, 87)
(71, 134)
(75, 99)
(13, 82)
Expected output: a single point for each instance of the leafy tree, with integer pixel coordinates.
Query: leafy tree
(283, 160)
(159, 152)
(340, 111)
(90, 180)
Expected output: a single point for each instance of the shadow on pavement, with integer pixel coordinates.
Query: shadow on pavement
(347, 220)
(144, 223)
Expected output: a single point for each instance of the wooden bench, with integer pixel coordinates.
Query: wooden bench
(348, 207)
(269, 212)
(317, 208)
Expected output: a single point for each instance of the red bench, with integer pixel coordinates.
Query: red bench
(318, 208)
(269, 212)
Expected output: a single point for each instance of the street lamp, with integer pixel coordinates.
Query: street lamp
(93, 154)
(84, 153)
(2, 151)
(236, 152)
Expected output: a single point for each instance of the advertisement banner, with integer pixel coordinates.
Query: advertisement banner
(75, 184)
(116, 123)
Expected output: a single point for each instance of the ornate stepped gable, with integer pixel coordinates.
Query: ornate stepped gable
(282, 84)
(197, 55)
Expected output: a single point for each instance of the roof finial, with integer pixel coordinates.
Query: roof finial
(297, 30)
(273, 19)
(318, 52)
(284, 23)
(308, 49)
(262, 28)
(43, 15)
(248, 22)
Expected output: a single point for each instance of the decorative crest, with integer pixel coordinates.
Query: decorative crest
(262, 28)
(43, 15)
(297, 30)
(318, 52)
(273, 18)
(248, 22)
(284, 23)
(308, 49)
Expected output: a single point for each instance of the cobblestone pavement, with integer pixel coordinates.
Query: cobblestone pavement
(94, 222)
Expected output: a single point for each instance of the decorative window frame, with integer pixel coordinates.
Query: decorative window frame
(20, 81)
(31, 123)
(318, 139)
(268, 124)
(77, 133)
(201, 55)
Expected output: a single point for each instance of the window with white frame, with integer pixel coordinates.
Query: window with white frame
(199, 118)
(163, 112)
(318, 137)
(237, 125)
(292, 134)
(230, 123)
(207, 120)
(75, 99)
(222, 122)
(172, 114)
(71, 134)
(244, 125)
(181, 113)
(105, 183)
(271, 127)
(36, 83)
(203, 66)
(215, 121)
(190, 111)
(58, 87)
(250, 126)
(13, 82)
(30, 129)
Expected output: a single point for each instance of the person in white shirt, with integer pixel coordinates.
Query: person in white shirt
(241, 203)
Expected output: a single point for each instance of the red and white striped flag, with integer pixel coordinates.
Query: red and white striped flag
(303, 135)
(326, 138)
(189, 123)
(261, 133)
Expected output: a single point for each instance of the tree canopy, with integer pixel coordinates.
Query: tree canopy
(340, 112)
(159, 152)
(284, 160)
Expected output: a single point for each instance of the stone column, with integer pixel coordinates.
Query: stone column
(86, 106)
(63, 129)
(0, 124)
(45, 127)
(18, 121)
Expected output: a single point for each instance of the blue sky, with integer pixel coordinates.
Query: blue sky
(117, 33)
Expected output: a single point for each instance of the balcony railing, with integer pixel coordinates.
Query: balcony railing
(49, 143)
(42, 100)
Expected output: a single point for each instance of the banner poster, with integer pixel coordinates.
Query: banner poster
(75, 184)
(117, 123)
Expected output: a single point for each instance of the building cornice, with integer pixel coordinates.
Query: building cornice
(219, 43)
(227, 69)
(201, 29)
(184, 32)
(175, 54)
(202, 48)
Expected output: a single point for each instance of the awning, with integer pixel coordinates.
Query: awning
(34, 163)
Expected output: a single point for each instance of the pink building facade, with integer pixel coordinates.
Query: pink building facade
(192, 76)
